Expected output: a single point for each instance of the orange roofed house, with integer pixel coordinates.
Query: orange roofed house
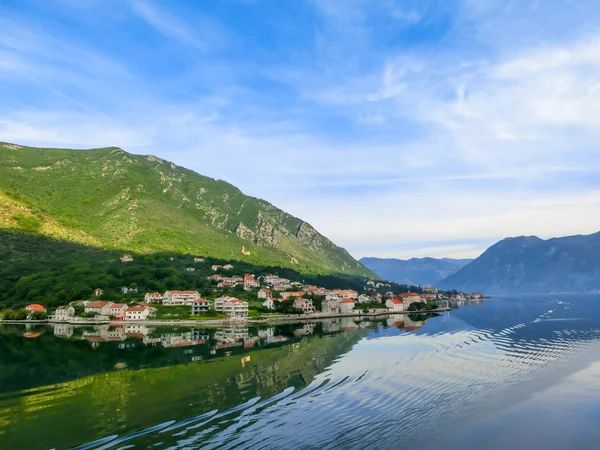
(35, 308)
(395, 304)
(408, 298)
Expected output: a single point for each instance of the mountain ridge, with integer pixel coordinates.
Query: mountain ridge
(529, 264)
(142, 203)
(414, 271)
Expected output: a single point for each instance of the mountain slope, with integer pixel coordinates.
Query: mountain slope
(414, 271)
(530, 264)
(115, 200)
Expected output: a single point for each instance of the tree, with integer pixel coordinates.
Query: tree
(38, 315)
(79, 308)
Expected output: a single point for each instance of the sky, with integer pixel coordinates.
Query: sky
(398, 128)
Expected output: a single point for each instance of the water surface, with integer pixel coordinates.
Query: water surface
(506, 372)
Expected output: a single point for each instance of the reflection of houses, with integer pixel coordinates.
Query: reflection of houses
(265, 333)
(411, 325)
(64, 313)
(230, 333)
(63, 330)
(306, 329)
(395, 321)
(305, 305)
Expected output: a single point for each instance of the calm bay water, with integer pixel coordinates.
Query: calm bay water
(522, 371)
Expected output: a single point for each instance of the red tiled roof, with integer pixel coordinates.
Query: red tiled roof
(396, 301)
(118, 305)
(183, 292)
(347, 300)
(409, 294)
(153, 294)
(97, 305)
(35, 307)
(136, 308)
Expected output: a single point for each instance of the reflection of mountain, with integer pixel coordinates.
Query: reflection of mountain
(128, 400)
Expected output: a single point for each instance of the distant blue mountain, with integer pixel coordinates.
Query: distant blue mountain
(528, 264)
(414, 271)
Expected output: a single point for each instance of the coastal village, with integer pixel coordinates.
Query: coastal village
(264, 296)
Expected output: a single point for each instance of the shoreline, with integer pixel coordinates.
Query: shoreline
(200, 323)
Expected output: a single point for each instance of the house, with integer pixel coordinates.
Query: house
(118, 310)
(173, 298)
(249, 282)
(100, 308)
(199, 259)
(129, 290)
(153, 297)
(364, 298)
(347, 293)
(265, 293)
(430, 290)
(330, 306)
(346, 305)
(409, 298)
(429, 297)
(305, 305)
(271, 279)
(215, 267)
(190, 269)
(215, 277)
(137, 313)
(200, 306)
(98, 292)
(127, 257)
(394, 305)
(64, 313)
(332, 296)
(477, 295)
(227, 267)
(231, 306)
(269, 303)
(371, 283)
(286, 295)
(35, 308)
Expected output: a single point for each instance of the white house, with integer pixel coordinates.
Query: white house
(331, 306)
(332, 296)
(137, 313)
(129, 290)
(346, 306)
(64, 313)
(231, 306)
(100, 308)
(269, 303)
(227, 267)
(305, 305)
(364, 298)
(216, 267)
(394, 304)
(118, 310)
(265, 293)
(409, 298)
(200, 306)
(250, 282)
(173, 298)
(199, 259)
(153, 297)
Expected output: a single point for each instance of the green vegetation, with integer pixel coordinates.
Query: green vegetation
(38, 269)
(420, 306)
(109, 199)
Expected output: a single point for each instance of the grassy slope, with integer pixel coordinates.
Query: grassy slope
(112, 199)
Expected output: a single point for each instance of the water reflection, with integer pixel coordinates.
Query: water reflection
(454, 381)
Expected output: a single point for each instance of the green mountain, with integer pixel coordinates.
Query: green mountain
(110, 199)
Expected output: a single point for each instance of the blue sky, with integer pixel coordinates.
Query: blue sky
(398, 128)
